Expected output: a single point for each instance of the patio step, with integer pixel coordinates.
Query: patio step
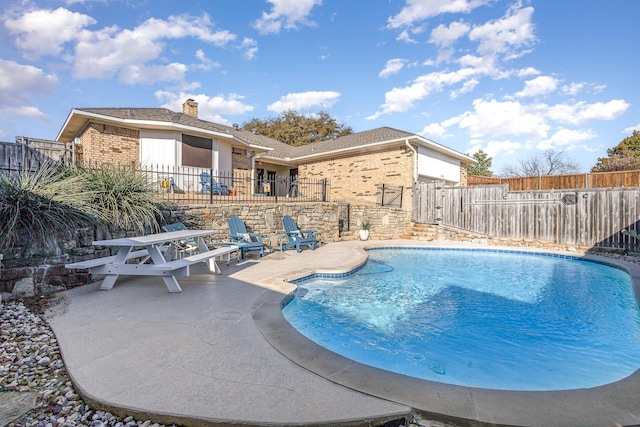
(422, 232)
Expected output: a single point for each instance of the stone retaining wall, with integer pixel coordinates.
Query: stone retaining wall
(43, 273)
(451, 234)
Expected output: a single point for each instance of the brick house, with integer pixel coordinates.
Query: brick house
(355, 164)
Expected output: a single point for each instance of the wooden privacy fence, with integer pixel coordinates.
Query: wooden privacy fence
(590, 217)
(30, 154)
(557, 182)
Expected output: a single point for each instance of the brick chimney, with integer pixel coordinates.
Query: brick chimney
(190, 107)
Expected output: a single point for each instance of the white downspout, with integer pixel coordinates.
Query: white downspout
(415, 160)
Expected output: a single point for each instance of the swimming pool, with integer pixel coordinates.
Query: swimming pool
(489, 319)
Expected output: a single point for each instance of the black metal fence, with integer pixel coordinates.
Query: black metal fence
(196, 185)
(185, 185)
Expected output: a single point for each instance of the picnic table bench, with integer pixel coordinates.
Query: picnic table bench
(159, 249)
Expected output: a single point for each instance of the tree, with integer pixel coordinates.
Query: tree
(624, 156)
(482, 167)
(550, 162)
(296, 129)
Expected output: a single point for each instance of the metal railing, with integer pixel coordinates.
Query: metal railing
(188, 185)
(195, 185)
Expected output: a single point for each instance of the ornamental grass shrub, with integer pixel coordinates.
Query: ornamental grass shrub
(55, 201)
(34, 206)
(124, 197)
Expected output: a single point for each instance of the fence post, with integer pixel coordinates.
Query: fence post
(324, 189)
(211, 186)
(382, 195)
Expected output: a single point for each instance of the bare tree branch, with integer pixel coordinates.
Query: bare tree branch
(550, 162)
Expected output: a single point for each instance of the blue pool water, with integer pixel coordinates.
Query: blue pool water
(489, 319)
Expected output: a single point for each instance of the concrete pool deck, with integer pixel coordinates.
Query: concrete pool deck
(221, 353)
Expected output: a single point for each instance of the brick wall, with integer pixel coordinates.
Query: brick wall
(355, 178)
(110, 144)
(464, 174)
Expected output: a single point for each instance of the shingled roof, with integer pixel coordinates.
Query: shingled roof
(279, 150)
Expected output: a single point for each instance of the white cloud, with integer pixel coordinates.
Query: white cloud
(149, 74)
(304, 100)
(206, 64)
(630, 129)
(419, 10)
(573, 88)
(127, 53)
(71, 2)
(133, 55)
(402, 99)
(581, 112)
(45, 31)
(30, 112)
(445, 36)
(438, 130)
(209, 108)
(539, 86)
(18, 80)
(566, 137)
(467, 87)
(481, 64)
(393, 66)
(181, 26)
(604, 110)
(434, 130)
(506, 35)
(287, 13)
(495, 148)
(404, 36)
(504, 118)
(526, 72)
(250, 47)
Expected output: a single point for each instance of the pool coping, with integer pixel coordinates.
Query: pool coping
(616, 403)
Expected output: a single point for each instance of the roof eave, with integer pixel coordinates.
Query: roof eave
(416, 139)
(364, 148)
(150, 124)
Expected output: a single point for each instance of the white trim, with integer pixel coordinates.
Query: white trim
(418, 140)
(157, 125)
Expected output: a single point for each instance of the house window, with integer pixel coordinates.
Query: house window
(196, 151)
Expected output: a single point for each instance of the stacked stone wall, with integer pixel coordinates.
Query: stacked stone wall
(42, 272)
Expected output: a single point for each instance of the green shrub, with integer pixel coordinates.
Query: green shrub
(123, 197)
(55, 201)
(34, 206)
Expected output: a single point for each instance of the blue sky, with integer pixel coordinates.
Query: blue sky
(513, 78)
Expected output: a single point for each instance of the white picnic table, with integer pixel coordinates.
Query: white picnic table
(160, 249)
